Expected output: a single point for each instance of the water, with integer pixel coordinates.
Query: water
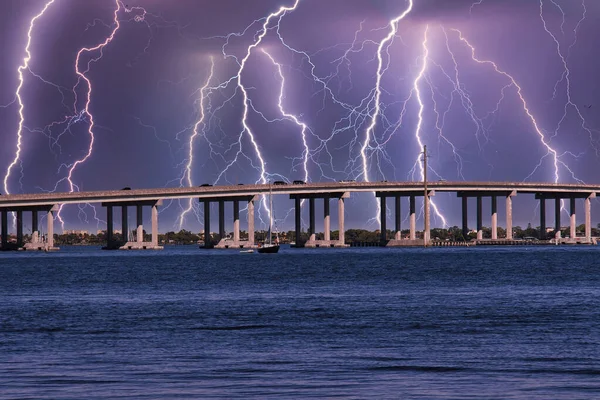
(452, 323)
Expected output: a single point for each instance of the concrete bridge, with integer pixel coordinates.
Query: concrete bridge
(139, 198)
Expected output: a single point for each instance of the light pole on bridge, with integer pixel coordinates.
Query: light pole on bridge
(426, 230)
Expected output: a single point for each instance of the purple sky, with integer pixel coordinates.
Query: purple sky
(146, 97)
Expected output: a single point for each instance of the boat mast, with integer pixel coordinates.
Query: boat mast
(270, 212)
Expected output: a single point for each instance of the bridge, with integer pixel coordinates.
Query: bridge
(139, 198)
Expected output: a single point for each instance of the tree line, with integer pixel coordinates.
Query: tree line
(184, 236)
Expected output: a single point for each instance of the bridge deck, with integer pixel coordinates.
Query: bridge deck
(43, 199)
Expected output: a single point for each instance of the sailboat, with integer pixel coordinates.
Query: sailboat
(270, 247)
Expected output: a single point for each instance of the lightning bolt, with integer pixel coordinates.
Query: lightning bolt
(381, 69)
(247, 129)
(81, 75)
(550, 151)
(187, 176)
(23, 67)
(566, 75)
(419, 126)
(78, 116)
(246, 102)
(86, 112)
(475, 4)
(292, 117)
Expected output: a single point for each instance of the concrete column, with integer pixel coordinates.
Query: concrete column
(341, 228)
(479, 218)
(494, 217)
(297, 218)
(588, 218)
(311, 213)
(542, 219)
(154, 216)
(35, 234)
(19, 228)
(413, 219)
(236, 221)
(221, 219)
(557, 214)
(398, 216)
(124, 224)
(465, 217)
(427, 221)
(383, 218)
(4, 230)
(573, 233)
(140, 223)
(326, 219)
(251, 222)
(509, 222)
(51, 228)
(207, 238)
(109, 224)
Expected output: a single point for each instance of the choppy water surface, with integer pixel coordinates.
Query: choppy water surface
(377, 323)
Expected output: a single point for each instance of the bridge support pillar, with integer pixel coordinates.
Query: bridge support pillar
(557, 215)
(342, 236)
(236, 221)
(207, 238)
(573, 231)
(427, 219)
(326, 220)
(124, 223)
(311, 217)
(138, 243)
(398, 217)
(140, 224)
(251, 241)
(154, 216)
(465, 217)
(588, 217)
(109, 225)
(326, 241)
(35, 234)
(413, 218)
(509, 216)
(50, 223)
(479, 218)
(19, 228)
(383, 220)
(224, 242)
(494, 218)
(4, 229)
(221, 219)
(298, 219)
(542, 219)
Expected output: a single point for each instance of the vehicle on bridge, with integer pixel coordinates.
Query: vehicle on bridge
(299, 182)
(279, 183)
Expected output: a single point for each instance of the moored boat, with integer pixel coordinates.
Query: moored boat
(270, 247)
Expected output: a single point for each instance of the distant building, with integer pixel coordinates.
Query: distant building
(75, 232)
(103, 231)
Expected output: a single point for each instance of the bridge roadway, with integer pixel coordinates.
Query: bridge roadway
(48, 202)
(49, 199)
